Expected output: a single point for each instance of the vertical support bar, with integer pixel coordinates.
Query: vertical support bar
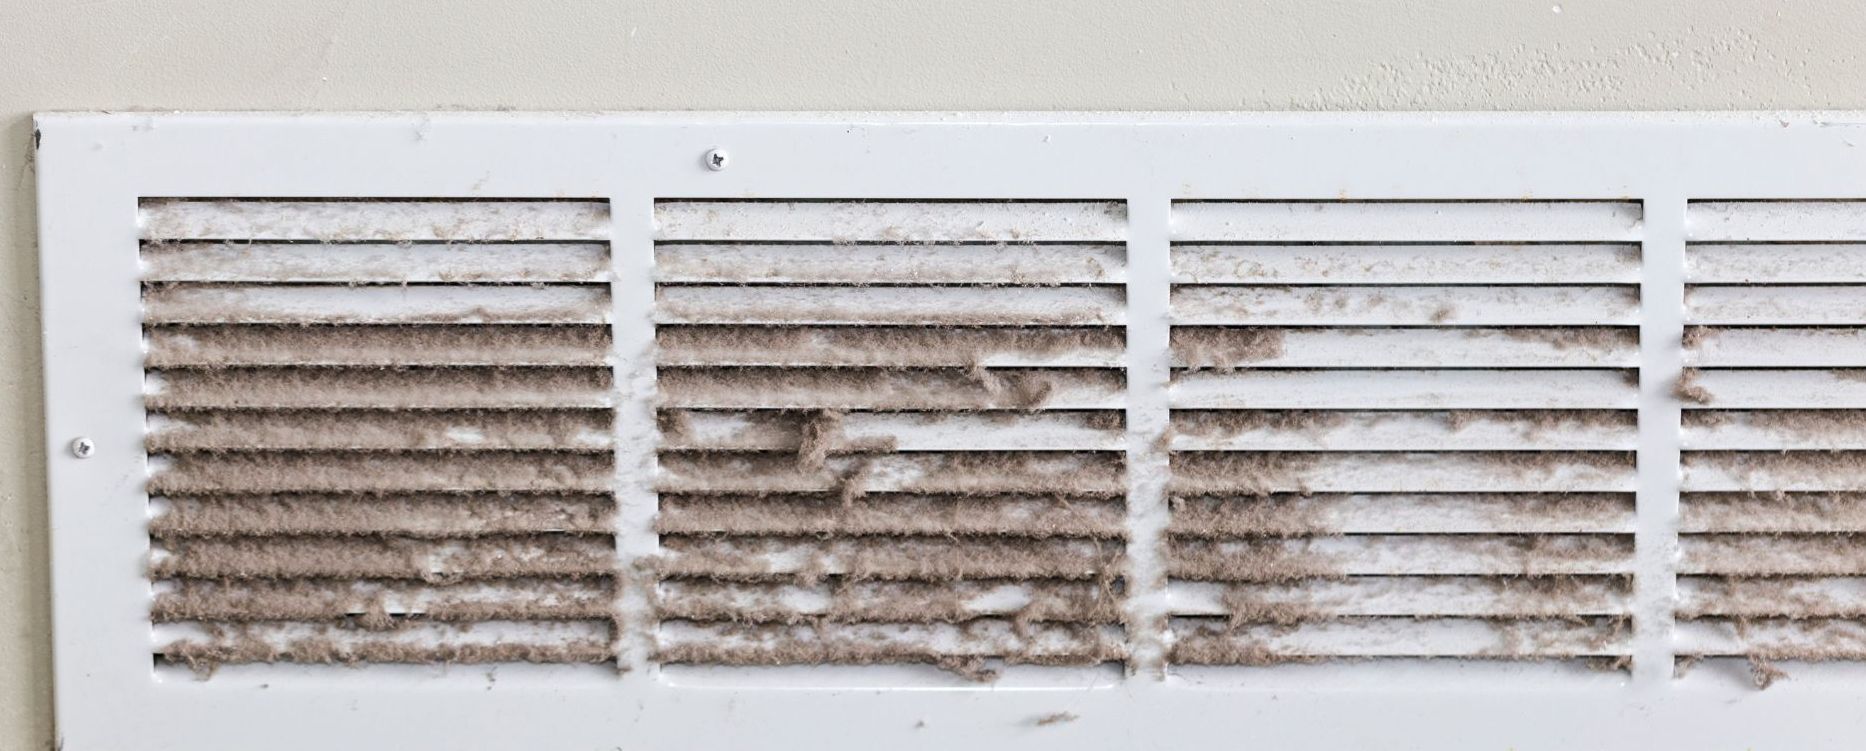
(1661, 364)
(1149, 370)
(631, 290)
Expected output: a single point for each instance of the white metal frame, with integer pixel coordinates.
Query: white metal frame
(93, 168)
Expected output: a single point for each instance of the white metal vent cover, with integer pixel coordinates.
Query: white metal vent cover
(540, 431)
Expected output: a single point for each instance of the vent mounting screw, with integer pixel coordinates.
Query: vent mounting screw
(716, 159)
(83, 448)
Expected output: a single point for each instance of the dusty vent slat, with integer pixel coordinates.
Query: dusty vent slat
(1402, 347)
(486, 642)
(386, 556)
(1402, 429)
(390, 263)
(1321, 600)
(1489, 222)
(1289, 559)
(377, 346)
(338, 430)
(377, 388)
(1203, 643)
(890, 430)
(883, 306)
(427, 515)
(1770, 518)
(936, 431)
(885, 264)
(1390, 430)
(1765, 347)
(893, 222)
(893, 347)
(380, 601)
(1405, 264)
(311, 304)
(1424, 471)
(1376, 513)
(241, 221)
(889, 602)
(1215, 305)
(1775, 429)
(1406, 389)
(379, 431)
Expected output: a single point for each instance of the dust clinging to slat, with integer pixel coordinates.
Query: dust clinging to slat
(1403, 430)
(891, 432)
(1772, 536)
(379, 431)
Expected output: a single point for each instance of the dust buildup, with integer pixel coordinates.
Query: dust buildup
(1323, 514)
(883, 346)
(821, 432)
(1264, 473)
(329, 493)
(404, 388)
(1773, 513)
(842, 600)
(376, 346)
(959, 473)
(433, 516)
(821, 501)
(966, 649)
(1689, 390)
(387, 430)
(885, 558)
(397, 601)
(1594, 339)
(204, 657)
(438, 561)
(1784, 471)
(1201, 348)
(1773, 554)
(371, 472)
(1034, 517)
(964, 389)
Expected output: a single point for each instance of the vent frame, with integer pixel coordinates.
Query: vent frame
(94, 168)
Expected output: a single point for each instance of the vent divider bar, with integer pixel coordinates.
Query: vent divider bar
(1149, 373)
(1661, 354)
(631, 263)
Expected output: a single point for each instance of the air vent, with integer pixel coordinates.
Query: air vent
(1773, 562)
(1403, 430)
(955, 431)
(891, 432)
(379, 431)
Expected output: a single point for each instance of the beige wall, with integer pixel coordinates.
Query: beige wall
(828, 54)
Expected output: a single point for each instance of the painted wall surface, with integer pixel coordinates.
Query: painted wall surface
(828, 55)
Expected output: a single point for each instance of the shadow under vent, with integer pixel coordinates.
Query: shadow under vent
(1773, 509)
(891, 432)
(1402, 430)
(379, 431)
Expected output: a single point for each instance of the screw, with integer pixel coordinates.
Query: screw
(83, 448)
(716, 159)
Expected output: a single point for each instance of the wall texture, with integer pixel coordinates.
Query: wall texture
(828, 55)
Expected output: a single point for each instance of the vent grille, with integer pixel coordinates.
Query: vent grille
(1402, 430)
(891, 432)
(379, 431)
(1772, 565)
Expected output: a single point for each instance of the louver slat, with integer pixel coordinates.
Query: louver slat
(891, 432)
(1770, 531)
(379, 431)
(1418, 443)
